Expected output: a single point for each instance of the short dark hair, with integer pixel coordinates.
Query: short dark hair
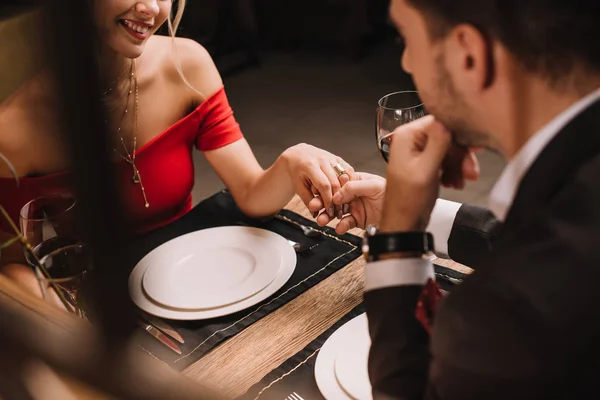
(551, 37)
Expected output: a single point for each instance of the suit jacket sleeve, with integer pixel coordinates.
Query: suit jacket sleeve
(480, 321)
(399, 355)
(473, 231)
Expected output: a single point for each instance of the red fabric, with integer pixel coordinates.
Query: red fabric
(428, 303)
(165, 164)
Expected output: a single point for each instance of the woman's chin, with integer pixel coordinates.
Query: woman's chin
(127, 50)
(132, 54)
(130, 51)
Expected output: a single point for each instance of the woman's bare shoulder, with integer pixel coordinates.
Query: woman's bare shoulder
(26, 115)
(194, 62)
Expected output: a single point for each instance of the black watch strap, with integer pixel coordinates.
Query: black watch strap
(418, 242)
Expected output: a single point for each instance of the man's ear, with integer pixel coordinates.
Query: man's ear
(470, 52)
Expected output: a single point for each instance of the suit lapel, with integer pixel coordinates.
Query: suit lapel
(577, 143)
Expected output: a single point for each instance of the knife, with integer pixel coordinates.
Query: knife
(163, 326)
(161, 337)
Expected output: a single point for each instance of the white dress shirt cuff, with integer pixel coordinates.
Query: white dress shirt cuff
(397, 272)
(440, 224)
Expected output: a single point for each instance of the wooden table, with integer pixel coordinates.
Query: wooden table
(243, 360)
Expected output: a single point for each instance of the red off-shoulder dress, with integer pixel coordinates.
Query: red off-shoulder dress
(165, 164)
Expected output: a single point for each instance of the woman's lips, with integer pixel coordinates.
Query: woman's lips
(140, 31)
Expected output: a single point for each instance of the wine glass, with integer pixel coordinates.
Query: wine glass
(66, 269)
(48, 223)
(393, 110)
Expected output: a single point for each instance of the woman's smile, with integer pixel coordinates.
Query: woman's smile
(139, 30)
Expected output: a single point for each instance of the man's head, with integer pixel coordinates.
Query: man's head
(469, 58)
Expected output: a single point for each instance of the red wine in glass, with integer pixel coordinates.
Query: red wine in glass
(67, 264)
(394, 110)
(384, 146)
(65, 259)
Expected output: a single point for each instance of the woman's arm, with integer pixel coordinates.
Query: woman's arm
(301, 169)
(260, 192)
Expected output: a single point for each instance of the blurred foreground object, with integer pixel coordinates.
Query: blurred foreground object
(38, 339)
(43, 347)
(20, 54)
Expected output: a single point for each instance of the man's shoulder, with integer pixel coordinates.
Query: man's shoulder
(539, 272)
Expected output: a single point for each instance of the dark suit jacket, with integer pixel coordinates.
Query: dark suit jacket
(525, 324)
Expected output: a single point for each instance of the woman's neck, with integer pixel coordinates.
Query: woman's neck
(113, 68)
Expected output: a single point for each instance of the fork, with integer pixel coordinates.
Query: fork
(300, 249)
(309, 232)
(294, 396)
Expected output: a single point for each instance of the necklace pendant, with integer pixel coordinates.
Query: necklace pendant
(136, 177)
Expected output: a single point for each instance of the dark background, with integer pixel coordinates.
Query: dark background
(226, 26)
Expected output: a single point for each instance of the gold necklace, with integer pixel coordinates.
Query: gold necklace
(129, 157)
(111, 87)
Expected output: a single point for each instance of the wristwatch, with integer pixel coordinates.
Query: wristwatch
(377, 244)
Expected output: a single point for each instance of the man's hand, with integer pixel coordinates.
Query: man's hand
(415, 171)
(364, 196)
(365, 192)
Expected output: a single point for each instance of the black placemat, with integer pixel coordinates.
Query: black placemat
(296, 374)
(332, 253)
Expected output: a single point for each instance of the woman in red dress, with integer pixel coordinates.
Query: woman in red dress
(164, 96)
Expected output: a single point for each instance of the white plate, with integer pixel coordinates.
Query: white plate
(288, 264)
(351, 362)
(325, 365)
(211, 268)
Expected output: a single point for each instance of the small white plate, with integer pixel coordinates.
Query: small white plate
(351, 362)
(287, 267)
(211, 268)
(326, 377)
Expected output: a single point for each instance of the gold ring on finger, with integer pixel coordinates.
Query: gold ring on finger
(339, 170)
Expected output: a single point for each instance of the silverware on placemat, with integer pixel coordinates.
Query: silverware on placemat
(310, 232)
(163, 326)
(294, 396)
(299, 248)
(158, 335)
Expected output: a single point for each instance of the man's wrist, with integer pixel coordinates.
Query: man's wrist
(398, 272)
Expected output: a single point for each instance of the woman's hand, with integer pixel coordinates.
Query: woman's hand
(312, 173)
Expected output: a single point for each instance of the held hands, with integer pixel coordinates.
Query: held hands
(313, 174)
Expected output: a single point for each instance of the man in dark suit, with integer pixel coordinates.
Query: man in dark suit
(521, 77)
